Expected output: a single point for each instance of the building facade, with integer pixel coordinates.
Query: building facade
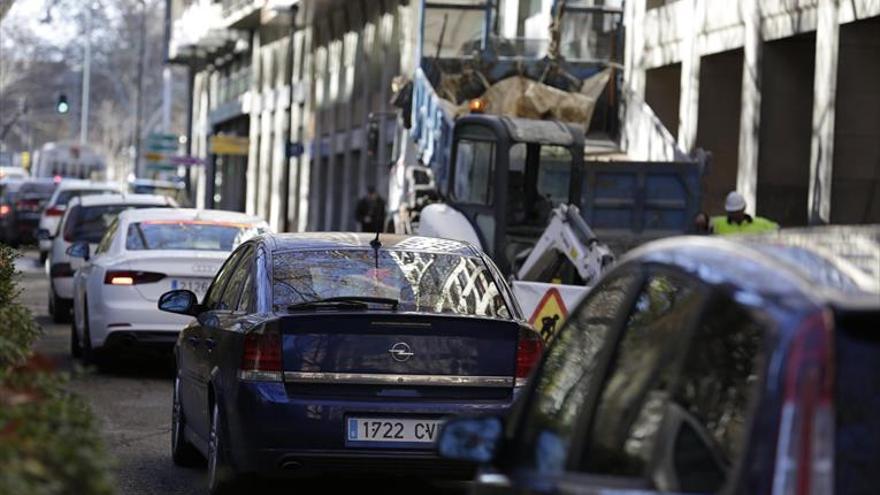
(785, 94)
(297, 84)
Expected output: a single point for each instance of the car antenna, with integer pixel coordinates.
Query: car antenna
(376, 244)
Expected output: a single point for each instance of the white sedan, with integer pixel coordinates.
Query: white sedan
(144, 254)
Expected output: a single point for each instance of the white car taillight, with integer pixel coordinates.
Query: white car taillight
(805, 449)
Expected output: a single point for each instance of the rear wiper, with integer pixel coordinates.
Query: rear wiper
(345, 302)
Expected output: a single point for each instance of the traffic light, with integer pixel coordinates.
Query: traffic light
(62, 106)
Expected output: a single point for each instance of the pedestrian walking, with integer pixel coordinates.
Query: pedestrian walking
(370, 211)
(737, 221)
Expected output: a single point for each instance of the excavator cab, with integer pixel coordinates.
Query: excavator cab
(508, 174)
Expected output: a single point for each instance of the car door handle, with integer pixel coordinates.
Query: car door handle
(194, 340)
(210, 344)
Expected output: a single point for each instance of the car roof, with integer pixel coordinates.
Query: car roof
(87, 185)
(309, 241)
(122, 198)
(189, 214)
(839, 265)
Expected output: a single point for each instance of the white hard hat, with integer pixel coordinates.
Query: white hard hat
(734, 202)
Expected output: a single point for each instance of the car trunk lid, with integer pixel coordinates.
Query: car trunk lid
(190, 270)
(372, 351)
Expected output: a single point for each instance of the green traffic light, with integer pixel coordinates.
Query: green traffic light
(62, 106)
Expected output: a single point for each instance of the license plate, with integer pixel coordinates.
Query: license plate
(393, 431)
(196, 285)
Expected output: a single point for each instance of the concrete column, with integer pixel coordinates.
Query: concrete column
(308, 134)
(252, 197)
(634, 67)
(688, 106)
(750, 118)
(824, 92)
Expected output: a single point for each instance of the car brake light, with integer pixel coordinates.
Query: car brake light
(529, 348)
(261, 359)
(54, 212)
(4, 210)
(805, 449)
(128, 277)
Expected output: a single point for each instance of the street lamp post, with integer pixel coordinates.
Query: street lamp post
(140, 90)
(86, 79)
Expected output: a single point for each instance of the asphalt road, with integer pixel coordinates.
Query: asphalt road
(132, 402)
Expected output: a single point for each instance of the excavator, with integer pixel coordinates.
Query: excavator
(513, 146)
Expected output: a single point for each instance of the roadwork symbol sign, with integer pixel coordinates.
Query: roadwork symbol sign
(549, 314)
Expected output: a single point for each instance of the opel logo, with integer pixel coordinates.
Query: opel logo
(401, 352)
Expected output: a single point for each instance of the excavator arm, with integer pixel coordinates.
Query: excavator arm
(567, 235)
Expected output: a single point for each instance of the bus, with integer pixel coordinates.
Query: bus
(69, 160)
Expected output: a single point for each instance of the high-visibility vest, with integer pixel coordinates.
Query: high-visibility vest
(722, 226)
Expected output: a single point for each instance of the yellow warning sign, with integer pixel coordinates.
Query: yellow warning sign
(549, 314)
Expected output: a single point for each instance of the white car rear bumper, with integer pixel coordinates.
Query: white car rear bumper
(123, 316)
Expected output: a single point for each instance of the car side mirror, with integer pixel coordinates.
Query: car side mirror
(473, 439)
(182, 302)
(79, 249)
(43, 235)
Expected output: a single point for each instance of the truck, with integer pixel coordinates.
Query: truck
(518, 138)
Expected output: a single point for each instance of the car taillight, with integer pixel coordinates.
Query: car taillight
(4, 210)
(805, 448)
(54, 212)
(129, 277)
(529, 348)
(261, 358)
(60, 270)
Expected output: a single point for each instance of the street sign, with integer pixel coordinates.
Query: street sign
(549, 314)
(222, 144)
(187, 161)
(162, 142)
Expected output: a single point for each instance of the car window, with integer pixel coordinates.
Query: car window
(107, 240)
(233, 290)
(639, 384)
(856, 402)
(420, 281)
(566, 373)
(246, 303)
(212, 298)
(708, 423)
(89, 223)
(190, 235)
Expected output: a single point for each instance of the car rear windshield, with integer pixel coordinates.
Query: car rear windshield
(423, 282)
(66, 195)
(38, 188)
(857, 390)
(187, 235)
(89, 223)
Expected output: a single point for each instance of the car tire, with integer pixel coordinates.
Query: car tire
(75, 345)
(60, 309)
(89, 354)
(222, 478)
(183, 453)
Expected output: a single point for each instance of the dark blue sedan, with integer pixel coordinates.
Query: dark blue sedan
(343, 352)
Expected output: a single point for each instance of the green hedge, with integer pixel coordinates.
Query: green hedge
(49, 440)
